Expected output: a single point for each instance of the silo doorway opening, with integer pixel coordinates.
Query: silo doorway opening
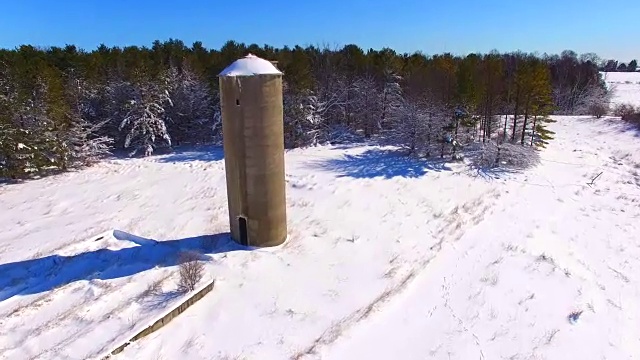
(242, 223)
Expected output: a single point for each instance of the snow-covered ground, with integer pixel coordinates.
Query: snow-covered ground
(361, 215)
(626, 86)
(387, 258)
(74, 280)
(551, 247)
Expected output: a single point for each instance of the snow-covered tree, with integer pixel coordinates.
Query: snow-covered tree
(331, 102)
(541, 135)
(82, 140)
(311, 116)
(592, 99)
(392, 96)
(8, 129)
(366, 106)
(190, 116)
(216, 122)
(440, 136)
(30, 124)
(34, 142)
(139, 108)
(420, 126)
(407, 126)
(301, 122)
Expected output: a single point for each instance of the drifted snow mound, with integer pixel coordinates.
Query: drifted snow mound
(250, 65)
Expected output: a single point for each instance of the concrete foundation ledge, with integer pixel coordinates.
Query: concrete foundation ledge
(164, 319)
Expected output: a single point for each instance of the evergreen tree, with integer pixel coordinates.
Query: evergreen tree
(541, 136)
(190, 113)
(141, 116)
(366, 107)
(392, 97)
(82, 140)
(9, 132)
(409, 126)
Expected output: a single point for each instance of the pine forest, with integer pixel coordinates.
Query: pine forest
(63, 108)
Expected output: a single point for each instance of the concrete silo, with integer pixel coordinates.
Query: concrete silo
(252, 126)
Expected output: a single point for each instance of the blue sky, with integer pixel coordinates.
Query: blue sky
(457, 26)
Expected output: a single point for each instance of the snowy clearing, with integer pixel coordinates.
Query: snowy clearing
(387, 257)
(182, 196)
(553, 247)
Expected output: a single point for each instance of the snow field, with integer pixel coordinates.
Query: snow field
(89, 286)
(83, 305)
(519, 256)
(331, 250)
(334, 267)
(530, 266)
(553, 247)
(626, 86)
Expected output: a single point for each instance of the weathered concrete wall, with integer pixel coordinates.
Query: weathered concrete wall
(165, 319)
(252, 125)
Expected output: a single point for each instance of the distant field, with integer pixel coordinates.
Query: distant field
(626, 86)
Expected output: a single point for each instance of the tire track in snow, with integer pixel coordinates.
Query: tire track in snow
(470, 213)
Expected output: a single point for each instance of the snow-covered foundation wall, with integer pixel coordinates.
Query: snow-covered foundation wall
(165, 319)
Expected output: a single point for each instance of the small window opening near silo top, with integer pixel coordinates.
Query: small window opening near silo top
(238, 102)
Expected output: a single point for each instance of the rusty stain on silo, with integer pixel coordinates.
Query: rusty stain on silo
(252, 126)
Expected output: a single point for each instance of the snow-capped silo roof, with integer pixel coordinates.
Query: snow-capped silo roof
(250, 65)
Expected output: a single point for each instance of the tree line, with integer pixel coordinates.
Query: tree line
(615, 66)
(62, 107)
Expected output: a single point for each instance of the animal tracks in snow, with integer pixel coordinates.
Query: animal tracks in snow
(453, 225)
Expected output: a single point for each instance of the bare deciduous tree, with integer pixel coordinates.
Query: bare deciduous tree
(191, 270)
